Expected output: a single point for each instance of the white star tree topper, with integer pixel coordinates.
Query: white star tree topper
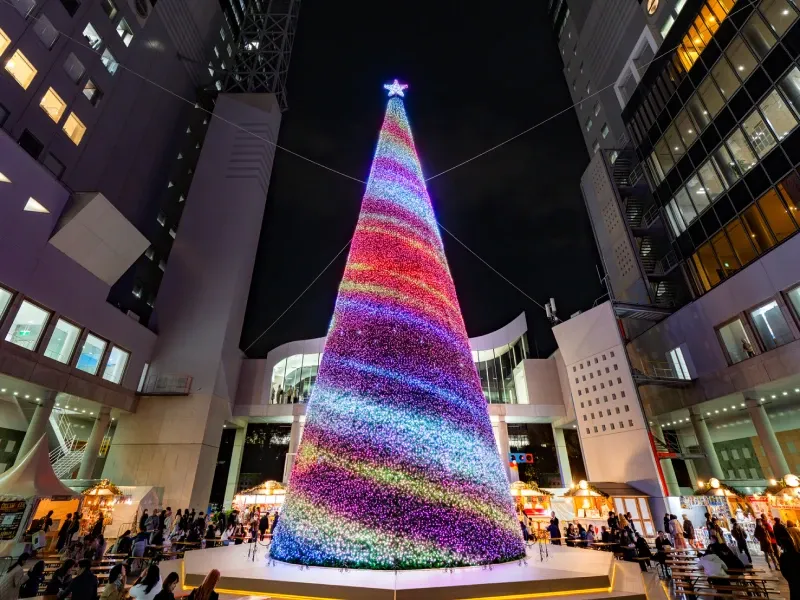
(396, 88)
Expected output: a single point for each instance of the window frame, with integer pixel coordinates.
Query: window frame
(46, 323)
(74, 347)
(794, 311)
(743, 319)
(84, 338)
(748, 313)
(4, 312)
(107, 355)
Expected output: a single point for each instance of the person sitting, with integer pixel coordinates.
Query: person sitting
(30, 588)
(194, 535)
(115, 588)
(662, 545)
(157, 539)
(140, 543)
(714, 567)
(206, 589)
(84, 585)
(605, 536)
(572, 533)
(211, 533)
(148, 584)
(581, 532)
(643, 551)
(726, 554)
(60, 579)
(590, 536)
(555, 533)
(168, 587)
(124, 544)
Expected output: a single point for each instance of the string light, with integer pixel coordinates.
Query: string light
(398, 466)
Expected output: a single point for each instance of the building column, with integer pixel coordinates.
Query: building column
(92, 448)
(772, 448)
(500, 428)
(667, 468)
(563, 457)
(235, 466)
(38, 425)
(706, 445)
(294, 445)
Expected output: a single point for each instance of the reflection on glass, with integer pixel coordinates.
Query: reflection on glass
(674, 142)
(727, 82)
(741, 58)
(740, 241)
(757, 229)
(790, 86)
(685, 206)
(736, 341)
(711, 181)
(115, 365)
(27, 326)
(779, 14)
(740, 150)
(759, 134)
(664, 155)
(62, 342)
(5, 300)
(725, 165)
(777, 215)
(674, 218)
(91, 353)
(698, 111)
(730, 264)
(771, 326)
(278, 375)
(758, 35)
(780, 118)
(711, 96)
(790, 190)
(794, 300)
(707, 266)
(655, 168)
(686, 128)
(698, 194)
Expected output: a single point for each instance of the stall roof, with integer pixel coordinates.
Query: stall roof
(34, 477)
(617, 489)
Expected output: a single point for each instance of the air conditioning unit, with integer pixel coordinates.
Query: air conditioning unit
(142, 9)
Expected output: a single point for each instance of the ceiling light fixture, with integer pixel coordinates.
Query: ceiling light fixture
(4, 179)
(33, 205)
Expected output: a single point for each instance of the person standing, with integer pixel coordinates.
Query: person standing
(790, 566)
(676, 530)
(263, 524)
(12, 581)
(63, 532)
(47, 522)
(771, 533)
(688, 531)
(97, 530)
(762, 535)
(74, 528)
(781, 533)
(740, 535)
(143, 521)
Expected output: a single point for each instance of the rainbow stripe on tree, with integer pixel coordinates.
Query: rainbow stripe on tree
(398, 466)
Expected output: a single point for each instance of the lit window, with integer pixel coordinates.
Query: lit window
(74, 128)
(173, 233)
(21, 69)
(28, 326)
(230, 50)
(771, 326)
(667, 26)
(596, 109)
(758, 35)
(759, 134)
(161, 218)
(222, 33)
(92, 92)
(216, 52)
(736, 342)
(678, 363)
(604, 131)
(589, 87)
(742, 60)
(5, 300)
(613, 156)
(778, 114)
(91, 35)
(115, 366)
(149, 253)
(588, 123)
(740, 150)
(53, 105)
(779, 14)
(125, 32)
(91, 353)
(596, 147)
(74, 68)
(62, 342)
(109, 8)
(711, 182)
(218, 85)
(109, 61)
(5, 41)
(45, 31)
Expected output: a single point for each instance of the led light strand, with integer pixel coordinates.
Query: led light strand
(398, 467)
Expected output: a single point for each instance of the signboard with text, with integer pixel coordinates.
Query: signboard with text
(11, 513)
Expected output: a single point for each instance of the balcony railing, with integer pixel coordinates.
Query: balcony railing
(167, 385)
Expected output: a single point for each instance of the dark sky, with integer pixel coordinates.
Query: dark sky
(476, 77)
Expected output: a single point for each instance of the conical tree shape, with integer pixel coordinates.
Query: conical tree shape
(398, 466)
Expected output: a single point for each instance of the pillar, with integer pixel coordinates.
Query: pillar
(667, 468)
(563, 457)
(235, 466)
(294, 445)
(501, 437)
(772, 449)
(92, 448)
(706, 445)
(38, 425)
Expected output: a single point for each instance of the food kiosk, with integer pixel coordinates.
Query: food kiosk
(780, 499)
(724, 502)
(594, 501)
(268, 496)
(533, 502)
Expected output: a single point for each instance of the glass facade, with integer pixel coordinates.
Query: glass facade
(62, 342)
(91, 353)
(721, 147)
(28, 326)
(294, 377)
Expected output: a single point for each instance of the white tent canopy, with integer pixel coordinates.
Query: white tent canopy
(34, 477)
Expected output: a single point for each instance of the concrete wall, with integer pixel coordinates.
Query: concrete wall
(590, 343)
(694, 325)
(200, 308)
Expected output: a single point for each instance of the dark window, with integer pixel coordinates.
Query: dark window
(92, 92)
(54, 165)
(30, 144)
(4, 112)
(71, 6)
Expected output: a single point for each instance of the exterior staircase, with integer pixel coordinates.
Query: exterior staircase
(67, 455)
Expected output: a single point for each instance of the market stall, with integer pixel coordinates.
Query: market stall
(29, 489)
(781, 499)
(267, 496)
(724, 502)
(594, 501)
(533, 502)
(99, 502)
(120, 505)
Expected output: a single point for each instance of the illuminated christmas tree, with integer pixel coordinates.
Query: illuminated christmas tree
(398, 466)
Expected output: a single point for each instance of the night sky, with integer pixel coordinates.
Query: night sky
(476, 78)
